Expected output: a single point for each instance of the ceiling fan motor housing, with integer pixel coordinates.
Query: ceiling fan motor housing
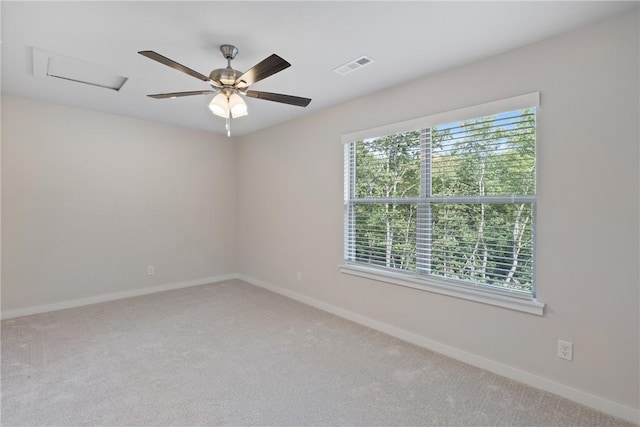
(225, 76)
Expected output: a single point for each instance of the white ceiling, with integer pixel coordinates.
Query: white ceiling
(406, 40)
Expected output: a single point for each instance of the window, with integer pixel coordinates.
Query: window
(447, 203)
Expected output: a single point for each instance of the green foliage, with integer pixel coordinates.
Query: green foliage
(388, 167)
(485, 156)
(484, 243)
(476, 242)
(386, 235)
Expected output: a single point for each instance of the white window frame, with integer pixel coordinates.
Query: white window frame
(498, 297)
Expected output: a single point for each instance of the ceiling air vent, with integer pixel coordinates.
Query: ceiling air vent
(51, 65)
(353, 65)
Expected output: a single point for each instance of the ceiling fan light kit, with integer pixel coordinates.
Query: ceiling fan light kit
(228, 84)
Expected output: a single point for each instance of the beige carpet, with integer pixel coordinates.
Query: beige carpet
(233, 354)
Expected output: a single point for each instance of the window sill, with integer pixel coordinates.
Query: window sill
(515, 302)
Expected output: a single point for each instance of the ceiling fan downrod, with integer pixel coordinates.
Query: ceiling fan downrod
(229, 52)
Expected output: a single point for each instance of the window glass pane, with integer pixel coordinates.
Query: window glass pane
(491, 155)
(385, 235)
(388, 166)
(483, 243)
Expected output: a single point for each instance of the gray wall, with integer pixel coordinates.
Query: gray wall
(89, 200)
(290, 189)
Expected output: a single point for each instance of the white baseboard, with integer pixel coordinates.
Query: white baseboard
(8, 314)
(584, 398)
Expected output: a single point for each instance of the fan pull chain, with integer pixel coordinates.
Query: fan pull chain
(227, 126)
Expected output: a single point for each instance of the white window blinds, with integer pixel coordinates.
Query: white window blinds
(453, 201)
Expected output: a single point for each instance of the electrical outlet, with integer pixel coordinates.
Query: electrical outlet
(150, 270)
(565, 350)
(299, 276)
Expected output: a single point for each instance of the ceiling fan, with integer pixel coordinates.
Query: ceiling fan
(229, 84)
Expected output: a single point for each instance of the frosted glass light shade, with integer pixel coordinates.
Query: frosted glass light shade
(220, 105)
(237, 106)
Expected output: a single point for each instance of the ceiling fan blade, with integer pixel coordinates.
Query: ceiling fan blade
(173, 64)
(263, 69)
(278, 97)
(177, 94)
